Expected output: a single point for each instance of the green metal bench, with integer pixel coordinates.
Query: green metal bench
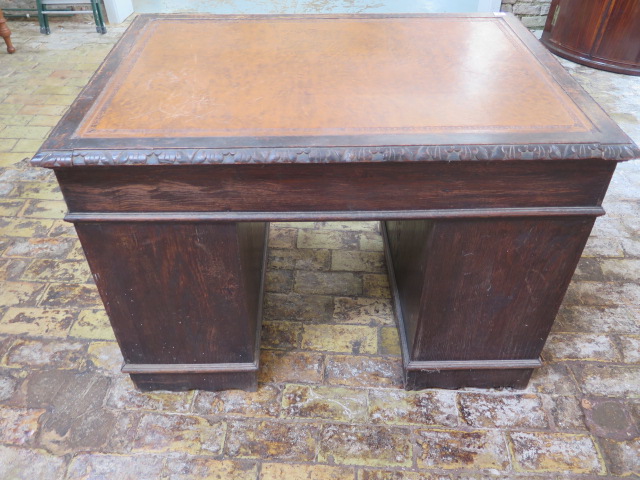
(44, 11)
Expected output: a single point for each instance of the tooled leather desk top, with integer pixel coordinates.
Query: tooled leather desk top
(203, 89)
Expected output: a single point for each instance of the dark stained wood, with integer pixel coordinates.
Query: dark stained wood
(575, 24)
(180, 293)
(487, 161)
(453, 379)
(619, 41)
(602, 34)
(196, 381)
(344, 187)
(480, 289)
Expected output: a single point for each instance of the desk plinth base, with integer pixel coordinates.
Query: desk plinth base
(455, 379)
(212, 382)
(475, 299)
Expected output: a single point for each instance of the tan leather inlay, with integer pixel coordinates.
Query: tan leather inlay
(291, 77)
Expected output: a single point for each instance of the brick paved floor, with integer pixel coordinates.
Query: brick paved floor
(330, 403)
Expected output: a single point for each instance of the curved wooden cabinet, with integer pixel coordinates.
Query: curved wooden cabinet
(602, 34)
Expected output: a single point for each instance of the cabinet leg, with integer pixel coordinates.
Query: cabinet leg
(475, 299)
(184, 299)
(5, 33)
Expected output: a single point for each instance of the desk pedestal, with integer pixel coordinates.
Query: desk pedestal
(474, 298)
(184, 299)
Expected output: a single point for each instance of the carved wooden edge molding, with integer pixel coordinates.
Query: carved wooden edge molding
(447, 153)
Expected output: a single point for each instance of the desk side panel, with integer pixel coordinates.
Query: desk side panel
(481, 291)
(180, 294)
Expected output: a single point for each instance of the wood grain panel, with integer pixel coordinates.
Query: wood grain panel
(486, 289)
(603, 34)
(335, 187)
(578, 23)
(179, 293)
(621, 42)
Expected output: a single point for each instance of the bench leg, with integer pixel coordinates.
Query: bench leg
(42, 18)
(97, 17)
(475, 299)
(184, 299)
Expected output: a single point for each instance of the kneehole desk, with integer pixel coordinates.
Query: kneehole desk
(485, 162)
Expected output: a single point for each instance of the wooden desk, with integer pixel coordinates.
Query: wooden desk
(484, 160)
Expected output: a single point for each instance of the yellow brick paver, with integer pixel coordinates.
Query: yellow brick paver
(39, 322)
(92, 324)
